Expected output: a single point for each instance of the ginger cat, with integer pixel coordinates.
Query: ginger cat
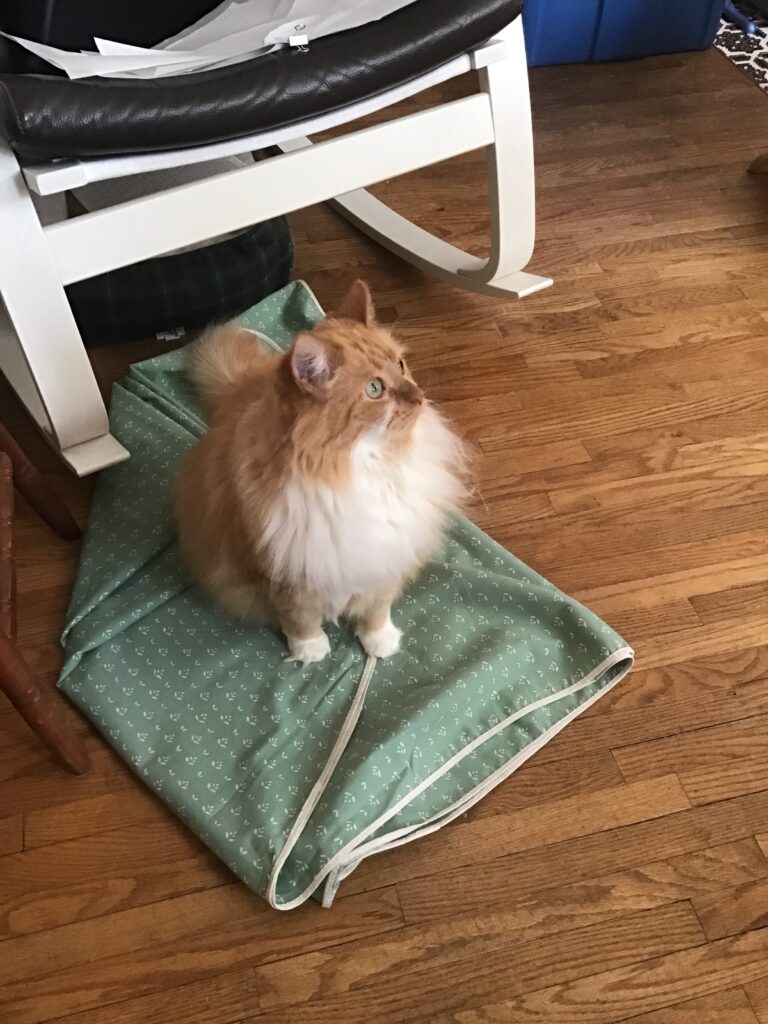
(323, 484)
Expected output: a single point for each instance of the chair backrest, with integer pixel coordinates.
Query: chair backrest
(72, 24)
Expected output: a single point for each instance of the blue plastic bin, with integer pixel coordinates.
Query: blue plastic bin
(575, 31)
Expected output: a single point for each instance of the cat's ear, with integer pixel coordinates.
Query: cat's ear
(311, 365)
(357, 304)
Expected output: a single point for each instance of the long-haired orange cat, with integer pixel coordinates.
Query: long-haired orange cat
(324, 481)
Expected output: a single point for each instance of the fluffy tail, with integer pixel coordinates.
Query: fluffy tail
(220, 360)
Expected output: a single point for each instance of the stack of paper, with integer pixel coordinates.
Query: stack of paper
(234, 31)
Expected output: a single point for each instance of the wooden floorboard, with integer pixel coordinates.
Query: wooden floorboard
(620, 421)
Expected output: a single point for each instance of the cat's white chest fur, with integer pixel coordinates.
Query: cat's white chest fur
(366, 537)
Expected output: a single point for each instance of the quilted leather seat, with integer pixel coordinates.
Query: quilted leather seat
(47, 116)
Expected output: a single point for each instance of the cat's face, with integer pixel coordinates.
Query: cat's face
(356, 373)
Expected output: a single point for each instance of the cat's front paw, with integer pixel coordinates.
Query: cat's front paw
(381, 643)
(308, 649)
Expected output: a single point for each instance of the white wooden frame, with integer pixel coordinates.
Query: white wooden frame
(41, 352)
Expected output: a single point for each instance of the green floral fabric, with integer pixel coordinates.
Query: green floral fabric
(293, 775)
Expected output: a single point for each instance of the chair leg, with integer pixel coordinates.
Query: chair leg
(759, 165)
(41, 351)
(512, 190)
(7, 562)
(511, 171)
(30, 482)
(41, 710)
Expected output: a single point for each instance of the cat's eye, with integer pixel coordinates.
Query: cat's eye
(375, 388)
(401, 364)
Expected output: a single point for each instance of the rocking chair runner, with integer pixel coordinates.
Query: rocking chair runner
(61, 134)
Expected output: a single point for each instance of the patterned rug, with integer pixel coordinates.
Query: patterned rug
(749, 53)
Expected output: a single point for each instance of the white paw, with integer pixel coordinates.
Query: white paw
(309, 649)
(381, 643)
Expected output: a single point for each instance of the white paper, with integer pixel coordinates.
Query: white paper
(144, 55)
(254, 23)
(253, 18)
(78, 65)
(235, 31)
(188, 67)
(119, 60)
(316, 18)
(164, 63)
(150, 63)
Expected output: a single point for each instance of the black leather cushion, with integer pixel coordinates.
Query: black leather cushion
(46, 116)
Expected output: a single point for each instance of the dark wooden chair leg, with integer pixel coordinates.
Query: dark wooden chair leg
(41, 709)
(7, 566)
(30, 482)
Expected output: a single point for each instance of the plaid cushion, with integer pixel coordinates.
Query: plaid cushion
(189, 289)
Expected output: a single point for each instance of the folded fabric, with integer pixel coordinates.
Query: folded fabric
(294, 775)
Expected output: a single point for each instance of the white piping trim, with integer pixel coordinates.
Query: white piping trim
(263, 339)
(312, 295)
(318, 789)
(343, 862)
(270, 342)
(468, 800)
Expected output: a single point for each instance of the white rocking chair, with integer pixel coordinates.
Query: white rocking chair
(41, 351)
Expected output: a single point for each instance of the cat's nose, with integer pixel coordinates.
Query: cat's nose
(414, 394)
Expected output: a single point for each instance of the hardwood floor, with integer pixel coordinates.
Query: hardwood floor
(621, 421)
